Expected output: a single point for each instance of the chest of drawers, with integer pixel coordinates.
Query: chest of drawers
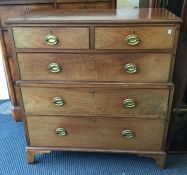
(96, 80)
(15, 8)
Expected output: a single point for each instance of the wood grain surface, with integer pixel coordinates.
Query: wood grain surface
(34, 37)
(100, 133)
(95, 67)
(23, 2)
(86, 5)
(94, 101)
(99, 16)
(92, 52)
(7, 42)
(18, 8)
(10, 11)
(15, 8)
(151, 37)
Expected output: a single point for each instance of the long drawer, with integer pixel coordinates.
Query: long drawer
(95, 67)
(51, 37)
(100, 133)
(150, 37)
(118, 101)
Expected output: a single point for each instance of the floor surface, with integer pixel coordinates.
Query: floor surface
(13, 162)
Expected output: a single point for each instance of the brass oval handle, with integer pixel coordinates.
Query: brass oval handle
(54, 67)
(51, 39)
(132, 39)
(61, 132)
(58, 101)
(131, 68)
(128, 134)
(129, 103)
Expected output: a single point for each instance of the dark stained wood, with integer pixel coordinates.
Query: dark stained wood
(13, 71)
(16, 113)
(9, 11)
(118, 85)
(22, 7)
(93, 51)
(184, 17)
(144, 15)
(85, 5)
(7, 42)
(23, 2)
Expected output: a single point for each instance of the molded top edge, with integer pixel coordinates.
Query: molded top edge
(142, 15)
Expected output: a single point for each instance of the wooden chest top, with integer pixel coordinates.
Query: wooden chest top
(4, 2)
(129, 16)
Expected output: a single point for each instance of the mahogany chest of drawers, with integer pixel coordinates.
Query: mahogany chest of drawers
(96, 80)
(15, 8)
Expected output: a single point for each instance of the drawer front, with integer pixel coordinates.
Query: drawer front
(94, 101)
(10, 11)
(51, 37)
(134, 37)
(95, 67)
(86, 5)
(100, 133)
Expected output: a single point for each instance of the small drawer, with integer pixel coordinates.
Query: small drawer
(95, 67)
(97, 132)
(135, 37)
(51, 37)
(111, 101)
(86, 5)
(10, 11)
